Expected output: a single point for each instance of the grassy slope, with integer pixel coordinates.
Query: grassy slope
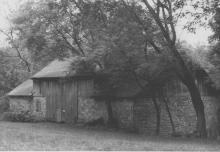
(51, 136)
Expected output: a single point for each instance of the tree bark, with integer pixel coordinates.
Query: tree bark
(199, 108)
(169, 114)
(187, 78)
(157, 108)
(110, 113)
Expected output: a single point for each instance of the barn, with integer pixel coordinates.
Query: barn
(63, 91)
(60, 94)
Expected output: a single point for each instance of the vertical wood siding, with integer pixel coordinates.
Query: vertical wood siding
(62, 97)
(69, 97)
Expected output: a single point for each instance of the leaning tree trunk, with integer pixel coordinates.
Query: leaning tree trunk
(187, 78)
(199, 108)
(183, 71)
(169, 114)
(157, 108)
(165, 100)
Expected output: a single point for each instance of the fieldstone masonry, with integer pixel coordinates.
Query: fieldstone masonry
(140, 114)
(182, 111)
(19, 104)
(123, 113)
(89, 109)
(132, 114)
(42, 103)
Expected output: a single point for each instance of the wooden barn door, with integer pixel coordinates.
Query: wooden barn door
(50, 89)
(73, 92)
(69, 103)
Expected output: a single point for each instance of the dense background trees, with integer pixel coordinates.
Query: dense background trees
(12, 71)
(214, 55)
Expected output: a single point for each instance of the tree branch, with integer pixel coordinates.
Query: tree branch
(171, 21)
(165, 20)
(13, 45)
(158, 21)
(136, 17)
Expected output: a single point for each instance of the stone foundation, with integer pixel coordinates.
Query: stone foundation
(123, 113)
(89, 109)
(140, 114)
(18, 104)
(182, 112)
(130, 114)
(145, 119)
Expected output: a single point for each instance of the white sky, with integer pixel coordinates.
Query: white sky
(6, 6)
(199, 38)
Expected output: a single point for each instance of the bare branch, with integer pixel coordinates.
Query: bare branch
(158, 21)
(145, 50)
(73, 36)
(165, 20)
(13, 45)
(171, 21)
(136, 17)
(74, 50)
(158, 7)
(156, 48)
(79, 45)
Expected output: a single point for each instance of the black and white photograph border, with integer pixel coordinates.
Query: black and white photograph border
(110, 75)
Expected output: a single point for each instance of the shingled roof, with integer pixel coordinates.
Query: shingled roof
(57, 68)
(24, 89)
(60, 69)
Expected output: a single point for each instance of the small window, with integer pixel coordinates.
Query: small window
(38, 106)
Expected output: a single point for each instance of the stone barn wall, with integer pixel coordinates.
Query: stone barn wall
(145, 118)
(123, 113)
(140, 114)
(18, 104)
(38, 106)
(89, 109)
(183, 114)
(182, 111)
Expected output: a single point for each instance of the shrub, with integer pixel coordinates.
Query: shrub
(4, 104)
(22, 116)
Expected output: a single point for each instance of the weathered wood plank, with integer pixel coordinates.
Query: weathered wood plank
(62, 96)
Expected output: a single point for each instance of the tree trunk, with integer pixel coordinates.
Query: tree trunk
(110, 113)
(187, 78)
(199, 108)
(169, 114)
(157, 108)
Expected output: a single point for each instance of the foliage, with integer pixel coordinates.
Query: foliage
(21, 116)
(82, 65)
(197, 12)
(12, 71)
(4, 104)
(215, 25)
(214, 54)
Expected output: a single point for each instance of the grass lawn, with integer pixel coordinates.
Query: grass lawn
(52, 136)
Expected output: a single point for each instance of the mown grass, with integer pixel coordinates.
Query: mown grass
(52, 136)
